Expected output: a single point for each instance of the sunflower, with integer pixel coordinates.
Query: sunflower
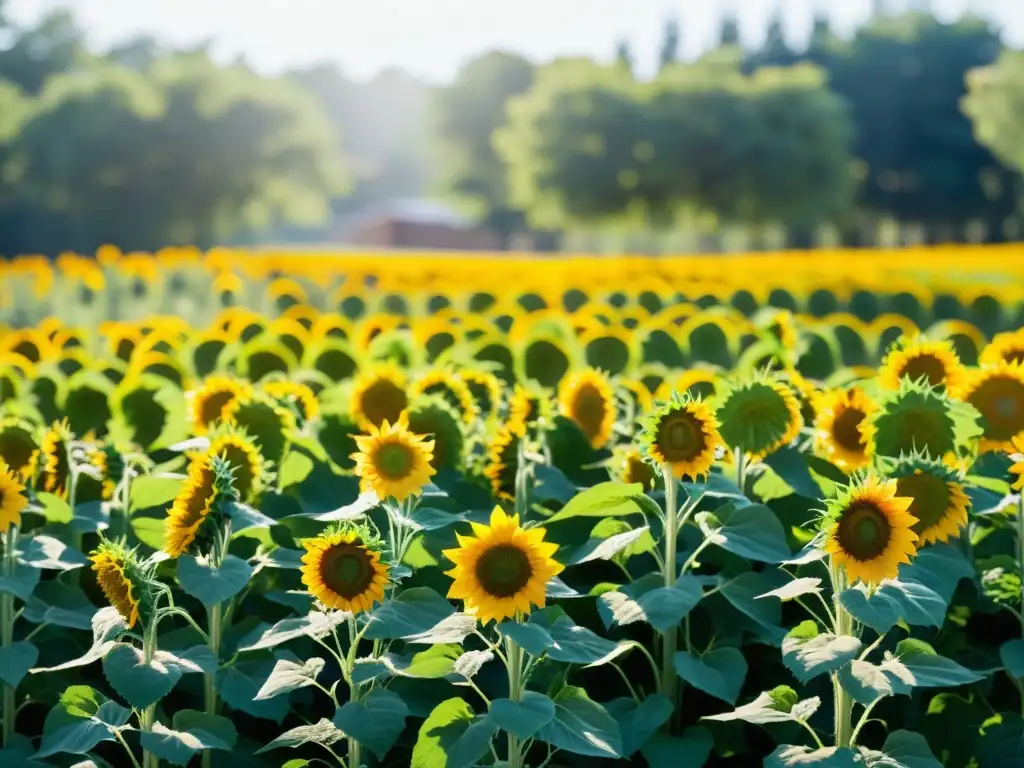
(485, 389)
(207, 484)
(342, 569)
(838, 434)
(12, 498)
(940, 501)
(683, 434)
(18, 447)
(434, 418)
(502, 569)
(528, 407)
(392, 461)
(107, 461)
(997, 391)
(452, 388)
(503, 461)
(759, 415)
(295, 395)
(630, 467)
(115, 568)
(1007, 346)
(53, 451)
(378, 395)
(245, 460)
(933, 361)
(1017, 456)
(869, 530)
(916, 417)
(271, 426)
(586, 397)
(208, 403)
(699, 382)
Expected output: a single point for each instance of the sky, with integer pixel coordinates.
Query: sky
(431, 38)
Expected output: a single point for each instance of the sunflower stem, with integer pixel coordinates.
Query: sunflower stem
(843, 702)
(7, 629)
(210, 680)
(669, 683)
(354, 747)
(514, 654)
(741, 471)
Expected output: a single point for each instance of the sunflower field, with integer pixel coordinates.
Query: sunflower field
(299, 509)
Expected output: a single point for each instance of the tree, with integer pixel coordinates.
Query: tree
(994, 103)
(624, 56)
(54, 45)
(775, 51)
(669, 44)
(729, 30)
(467, 113)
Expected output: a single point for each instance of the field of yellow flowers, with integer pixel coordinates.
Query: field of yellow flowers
(298, 509)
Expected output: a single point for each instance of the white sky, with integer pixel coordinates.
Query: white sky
(433, 37)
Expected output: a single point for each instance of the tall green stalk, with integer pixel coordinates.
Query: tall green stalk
(514, 654)
(669, 678)
(7, 628)
(215, 619)
(842, 700)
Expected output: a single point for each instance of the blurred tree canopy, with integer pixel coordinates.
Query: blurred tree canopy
(995, 102)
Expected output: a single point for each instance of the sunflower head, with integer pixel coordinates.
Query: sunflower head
(502, 570)
(12, 498)
(758, 415)
(393, 461)
(378, 395)
(110, 465)
(586, 396)
(208, 403)
(838, 434)
(433, 417)
(199, 506)
(869, 531)
(502, 462)
(295, 396)
(529, 407)
(342, 568)
(127, 583)
(453, 389)
(1017, 468)
(269, 424)
(939, 500)
(682, 434)
(486, 390)
(1007, 346)
(997, 392)
(19, 448)
(249, 471)
(54, 461)
(630, 466)
(915, 417)
(933, 362)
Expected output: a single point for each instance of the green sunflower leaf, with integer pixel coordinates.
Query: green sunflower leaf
(210, 584)
(940, 568)
(415, 610)
(791, 465)
(193, 732)
(525, 717)
(377, 721)
(52, 507)
(62, 605)
(48, 553)
(314, 623)
(895, 601)
(431, 664)
(693, 748)
(1011, 653)
(445, 725)
(638, 722)
(609, 547)
(866, 682)
(322, 732)
(22, 581)
(79, 721)
(155, 490)
(139, 682)
(608, 499)
(931, 670)
(807, 653)
(751, 531)
(551, 484)
(904, 749)
(661, 607)
(241, 682)
(289, 675)
(581, 726)
(743, 593)
(15, 662)
(719, 673)
(800, 757)
(532, 638)
(768, 707)
(473, 743)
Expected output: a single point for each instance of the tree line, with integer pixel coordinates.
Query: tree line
(912, 121)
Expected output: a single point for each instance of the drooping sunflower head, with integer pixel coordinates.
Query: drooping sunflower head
(502, 461)
(109, 465)
(1007, 346)
(249, 471)
(295, 396)
(758, 415)
(502, 569)
(630, 466)
(1017, 468)
(934, 362)
(869, 531)
(12, 498)
(432, 417)
(838, 434)
(586, 397)
(939, 500)
(342, 569)
(529, 407)
(997, 391)
(270, 425)
(199, 504)
(454, 390)
(126, 582)
(916, 417)
(19, 448)
(485, 389)
(208, 402)
(682, 434)
(393, 461)
(54, 457)
(378, 395)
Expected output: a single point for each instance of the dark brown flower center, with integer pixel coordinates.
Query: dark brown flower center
(680, 437)
(213, 405)
(931, 498)
(589, 410)
(503, 570)
(846, 430)
(347, 569)
(926, 367)
(1001, 402)
(383, 400)
(864, 531)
